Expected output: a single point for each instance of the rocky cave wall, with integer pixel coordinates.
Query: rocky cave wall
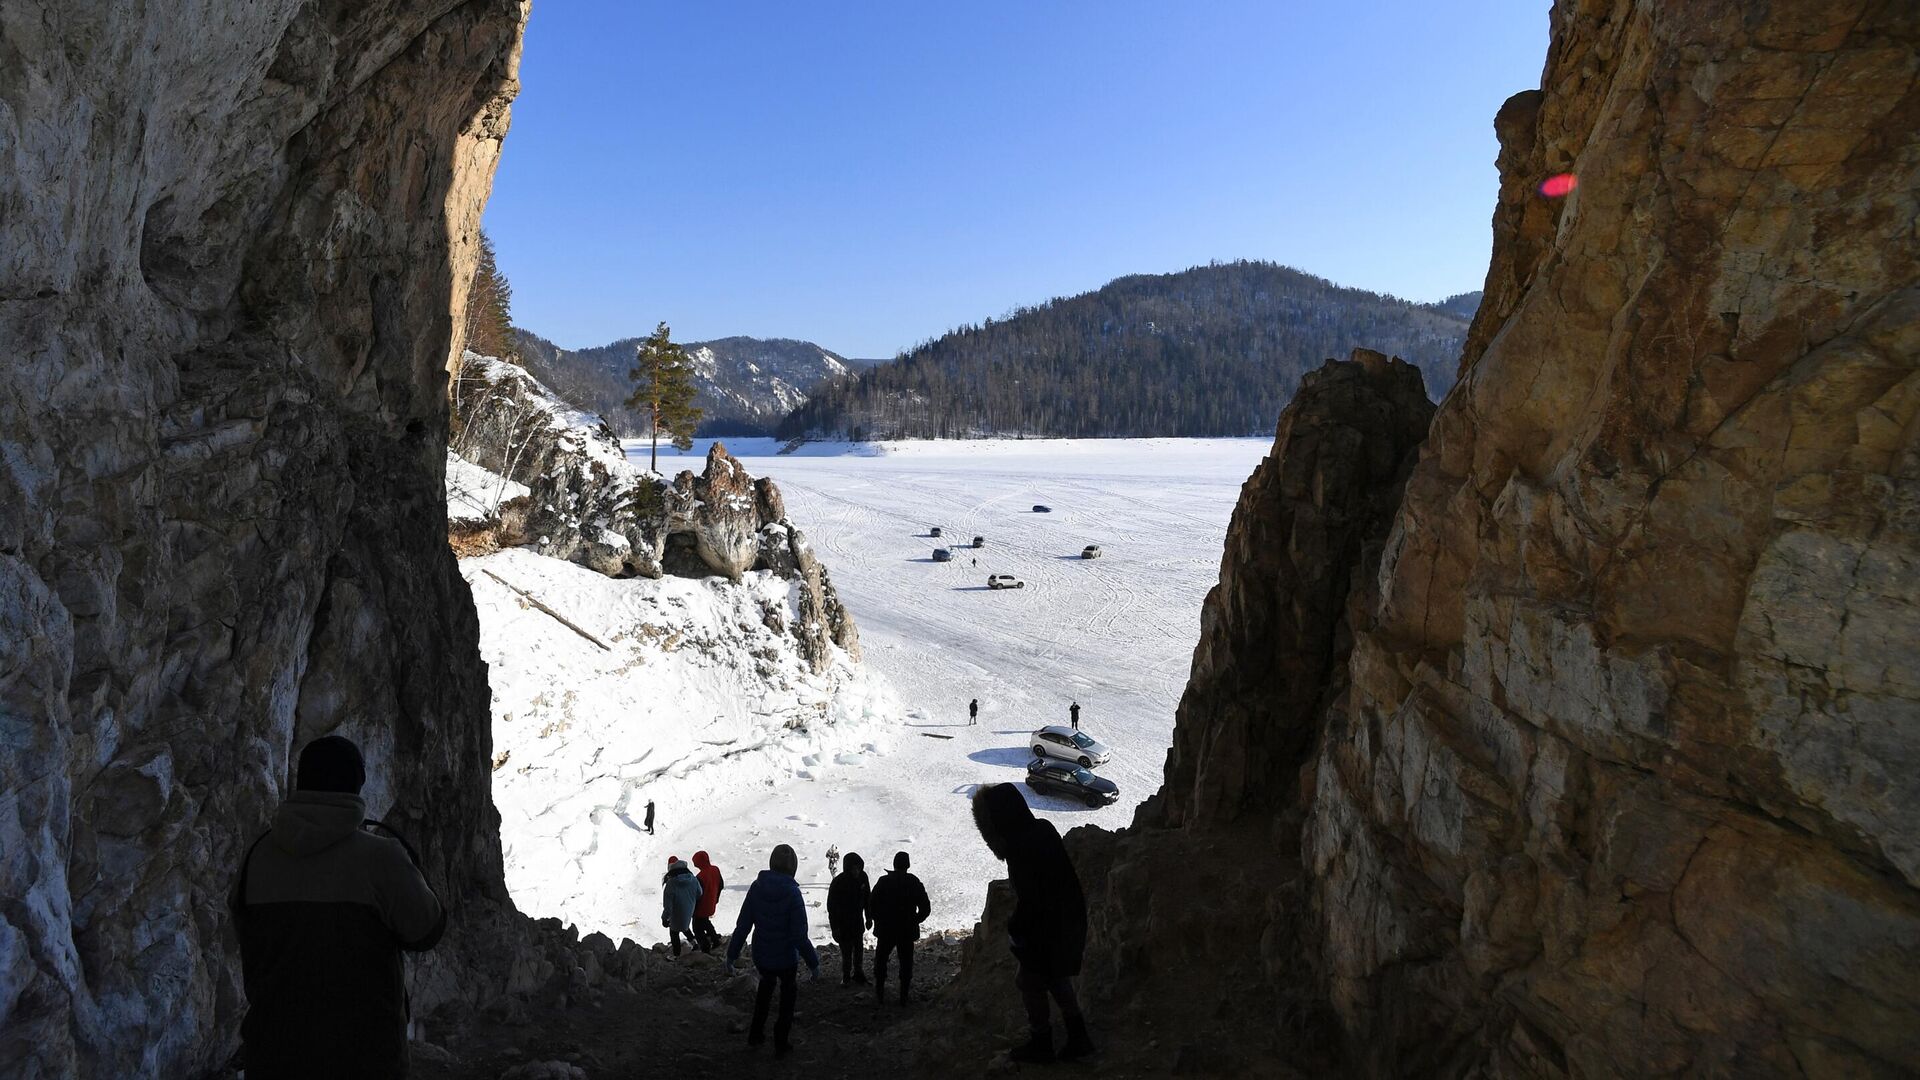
(229, 235)
(1609, 763)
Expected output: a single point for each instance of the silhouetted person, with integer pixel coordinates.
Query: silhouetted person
(1072, 711)
(704, 934)
(324, 910)
(973, 712)
(679, 896)
(649, 821)
(776, 916)
(896, 908)
(846, 915)
(1048, 930)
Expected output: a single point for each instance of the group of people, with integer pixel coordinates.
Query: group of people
(326, 905)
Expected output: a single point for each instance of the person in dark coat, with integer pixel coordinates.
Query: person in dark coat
(895, 910)
(1048, 929)
(324, 909)
(776, 916)
(649, 822)
(679, 897)
(846, 915)
(1072, 711)
(704, 935)
(973, 711)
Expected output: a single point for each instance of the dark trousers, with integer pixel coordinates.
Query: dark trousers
(852, 953)
(674, 933)
(1035, 987)
(783, 1026)
(704, 935)
(881, 948)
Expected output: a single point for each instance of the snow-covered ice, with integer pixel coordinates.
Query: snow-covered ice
(894, 767)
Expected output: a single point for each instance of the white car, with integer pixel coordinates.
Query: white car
(1004, 581)
(1069, 745)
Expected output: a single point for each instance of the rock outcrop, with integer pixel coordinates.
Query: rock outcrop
(587, 504)
(1605, 762)
(230, 235)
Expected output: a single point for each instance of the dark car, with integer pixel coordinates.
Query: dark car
(934, 531)
(1072, 781)
(979, 541)
(942, 555)
(1091, 551)
(1039, 509)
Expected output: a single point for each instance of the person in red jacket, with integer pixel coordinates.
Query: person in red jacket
(704, 935)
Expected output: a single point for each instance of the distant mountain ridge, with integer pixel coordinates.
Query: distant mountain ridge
(1212, 350)
(747, 385)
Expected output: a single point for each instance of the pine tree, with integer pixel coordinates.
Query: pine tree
(663, 390)
(489, 306)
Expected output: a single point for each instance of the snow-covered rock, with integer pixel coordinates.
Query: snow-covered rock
(608, 693)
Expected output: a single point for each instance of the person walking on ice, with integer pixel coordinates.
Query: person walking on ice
(833, 859)
(896, 909)
(973, 712)
(1072, 711)
(679, 897)
(649, 821)
(1048, 929)
(775, 915)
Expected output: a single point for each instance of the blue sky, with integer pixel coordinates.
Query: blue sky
(868, 175)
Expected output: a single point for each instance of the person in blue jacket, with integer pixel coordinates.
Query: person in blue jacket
(776, 916)
(679, 896)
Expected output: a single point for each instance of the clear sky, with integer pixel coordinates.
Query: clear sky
(868, 175)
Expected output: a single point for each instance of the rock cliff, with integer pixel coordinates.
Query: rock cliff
(230, 235)
(1597, 754)
(587, 504)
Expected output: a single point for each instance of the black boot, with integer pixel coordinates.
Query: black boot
(1078, 1045)
(1037, 1050)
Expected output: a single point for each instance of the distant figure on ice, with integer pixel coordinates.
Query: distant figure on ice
(679, 896)
(833, 859)
(324, 908)
(846, 916)
(973, 712)
(776, 916)
(1072, 710)
(649, 821)
(704, 935)
(1048, 930)
(895, 910)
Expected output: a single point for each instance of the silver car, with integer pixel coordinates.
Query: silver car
(1067, 744)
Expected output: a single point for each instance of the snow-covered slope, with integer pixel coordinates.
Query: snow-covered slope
(610, 692)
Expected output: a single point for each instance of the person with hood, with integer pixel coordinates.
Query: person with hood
(1048, 929)
(846, 916)
(775, 915)
(324, 910)
(704, 935)
(679, 895)
(895, 909)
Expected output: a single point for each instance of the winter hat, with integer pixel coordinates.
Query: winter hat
(672, 860)
(900, 860)
(331, 763)
(854, 862)
(784, 860)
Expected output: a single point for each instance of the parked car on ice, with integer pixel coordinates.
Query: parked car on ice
(1091, 551)
(979, 541)
(934, 531)
(1004, 581)
(942, 555)
(1073, 781)
(1039, 509)
(1057, 741)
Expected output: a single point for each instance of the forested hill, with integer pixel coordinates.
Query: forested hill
(746, 385)
(1215, 350)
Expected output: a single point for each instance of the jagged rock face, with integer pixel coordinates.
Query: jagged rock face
(228, 240)
(1626, 782)
(588, 505)
(1309, 518)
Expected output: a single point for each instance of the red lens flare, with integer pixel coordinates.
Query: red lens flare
(1553, 187)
